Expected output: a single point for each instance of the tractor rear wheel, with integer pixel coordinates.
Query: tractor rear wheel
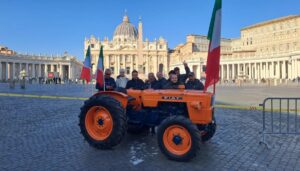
(178, 138)
(102, 121)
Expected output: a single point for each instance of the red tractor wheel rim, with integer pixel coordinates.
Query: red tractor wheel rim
(98, 123)
(177, 140)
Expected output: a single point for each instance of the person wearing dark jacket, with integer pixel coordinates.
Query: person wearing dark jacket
(193, 83)
(172, 83)
(161, 81)
(110, 83)
(151, 83)
(135, 83)
(182, 77)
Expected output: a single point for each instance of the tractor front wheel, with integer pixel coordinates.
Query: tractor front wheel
(102, 121)
(208, 131)
(178, 138)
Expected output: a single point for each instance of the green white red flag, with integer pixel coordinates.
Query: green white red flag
(214, 37)
(100, 68)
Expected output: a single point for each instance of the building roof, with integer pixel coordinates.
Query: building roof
(271, 21)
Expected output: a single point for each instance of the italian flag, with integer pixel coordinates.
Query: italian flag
(87, 66)
(99, 72)
(214, 37)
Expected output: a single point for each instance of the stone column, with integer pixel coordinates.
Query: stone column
(40, 70)
(227, 71)
(6, 70)
(250, 71)
(70, 73)
(34, 71)
(223, 72)
(293, 74)
(13, 70)
(26, 69)
(244, 69)
(272, 69)
(283, 70)
(277, 70)
(45, 71)
(260, 70)
(238, 70)
(233, 71)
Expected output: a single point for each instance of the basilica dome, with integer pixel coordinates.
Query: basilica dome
(125, 31)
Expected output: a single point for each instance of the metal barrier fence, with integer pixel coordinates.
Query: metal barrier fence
(281, 116)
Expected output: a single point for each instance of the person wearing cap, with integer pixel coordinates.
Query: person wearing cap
(110, 83)
(121, 79)
(135, 83)
(193, 83)
(182, 77)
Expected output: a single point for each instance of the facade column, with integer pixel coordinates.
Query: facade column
(238, 70)
(70, 73)
(233, 71)
(227, 72)
(33, 71)
(40, 70)
(250, 71)
(20, 69)
(45, 71)
(223, 70)
(293, 69)
(283, 70)
(6, 70)
(26, 69)
(13, 70)
(277, 70)
(244, 69)
(298, 68)
(272, 69)
(260, 71)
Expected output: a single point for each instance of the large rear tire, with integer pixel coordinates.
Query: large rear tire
(178, 138)
(102, 121)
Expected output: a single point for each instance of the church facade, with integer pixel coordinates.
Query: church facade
(128, 50)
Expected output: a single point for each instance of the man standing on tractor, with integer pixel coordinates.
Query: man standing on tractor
(110, 83)
(135, 83)
(173, 82)
(161, 81)
(121, 79)
(182, 77)
(193, 83)
(151, 83)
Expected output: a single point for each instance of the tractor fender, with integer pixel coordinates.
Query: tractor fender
(121, 97)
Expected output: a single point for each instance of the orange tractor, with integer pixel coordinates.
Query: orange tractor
(183, 119)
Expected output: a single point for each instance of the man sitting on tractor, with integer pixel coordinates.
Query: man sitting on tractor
(193, 83)
(161, 81)
(182, 77)
(172, 83)
(151, 83)
(135, 83)
(110, 83)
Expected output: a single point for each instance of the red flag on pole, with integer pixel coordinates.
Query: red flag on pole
(214, 37)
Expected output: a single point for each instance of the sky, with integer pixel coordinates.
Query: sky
(56, 26)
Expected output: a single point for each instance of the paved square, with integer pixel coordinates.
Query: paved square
(43, 134)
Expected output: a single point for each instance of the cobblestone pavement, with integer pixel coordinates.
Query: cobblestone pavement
(43, 134)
